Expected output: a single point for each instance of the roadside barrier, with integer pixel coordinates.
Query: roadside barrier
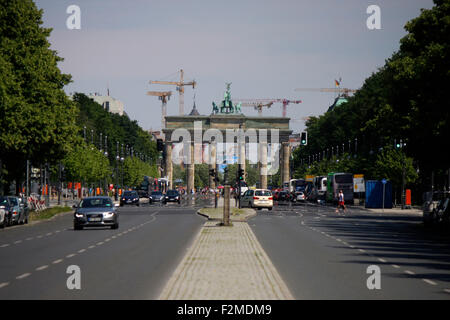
(35, 203)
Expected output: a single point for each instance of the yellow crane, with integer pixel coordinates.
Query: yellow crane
(179, 87)
(163, 96)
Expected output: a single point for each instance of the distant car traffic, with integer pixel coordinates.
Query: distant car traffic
(172, 196)
(156, 196)
(95, 212)
(143, 197)
(259, 198)
(283, 196)
(300, 196)
(129, 197)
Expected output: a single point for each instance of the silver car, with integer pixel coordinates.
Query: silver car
(96, 212)
(18, 213)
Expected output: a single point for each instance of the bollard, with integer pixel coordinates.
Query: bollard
(226, 206)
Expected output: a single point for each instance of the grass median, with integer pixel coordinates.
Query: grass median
(47, 213)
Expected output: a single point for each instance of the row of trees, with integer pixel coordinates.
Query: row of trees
(404, 100)
(38, 121)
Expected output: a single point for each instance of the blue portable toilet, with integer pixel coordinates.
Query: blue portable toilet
(374, 194)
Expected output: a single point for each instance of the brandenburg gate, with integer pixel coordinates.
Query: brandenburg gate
(259, 140)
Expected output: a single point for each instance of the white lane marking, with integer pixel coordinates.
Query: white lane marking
(18, 241)
(100, 243)
(91, 247)
(81, 251)
(430, 282)
(4, 245)
(49, 234)
(42, 268)
(28, 239)
(361, 250)
(396, 266)
(3, 284)
(409, 272)
(22, 276)
(71, 255)
(447, 290)
(57, 261)
(382, 260)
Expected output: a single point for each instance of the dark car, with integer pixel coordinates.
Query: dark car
(172, 196)
(156, 196)
(129, 197)
(283, 196)
(95, 212)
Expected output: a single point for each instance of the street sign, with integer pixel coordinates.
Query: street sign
(358, 183)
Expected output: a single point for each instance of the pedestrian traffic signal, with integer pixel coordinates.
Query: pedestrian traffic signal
(304, 138)
(159, 145)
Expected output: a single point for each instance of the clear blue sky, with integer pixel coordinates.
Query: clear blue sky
(265, 48)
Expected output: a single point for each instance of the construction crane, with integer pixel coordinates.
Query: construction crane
(259, 103)
(163, 96)
(341, 91)
(180, 88)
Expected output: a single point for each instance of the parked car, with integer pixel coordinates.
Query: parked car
(156, 196)
(96, 212)
(433, 206)
(4, 212)
(17, 213)
(172, 196)
(129, 197)
(258, 198)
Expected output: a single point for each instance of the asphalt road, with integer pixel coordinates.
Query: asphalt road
(133, 262)
(321, 255)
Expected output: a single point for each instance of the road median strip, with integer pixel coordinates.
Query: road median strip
(225, 263)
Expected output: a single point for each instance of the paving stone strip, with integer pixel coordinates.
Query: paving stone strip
(225, 263)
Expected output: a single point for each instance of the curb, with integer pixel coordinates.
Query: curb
(253, 214)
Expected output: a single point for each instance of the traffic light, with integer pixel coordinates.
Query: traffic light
(304, 138)
(241, 174)
(159, 145)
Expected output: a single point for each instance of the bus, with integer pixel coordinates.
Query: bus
(319, 188)
(297, 185)
(339, 181)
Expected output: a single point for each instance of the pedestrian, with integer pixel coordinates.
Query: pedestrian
(341, 202)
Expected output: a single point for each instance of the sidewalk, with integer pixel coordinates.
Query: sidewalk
(225, 263)
(412, 211)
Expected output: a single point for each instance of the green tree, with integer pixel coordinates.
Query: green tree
(86, 164)
(37, 120)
